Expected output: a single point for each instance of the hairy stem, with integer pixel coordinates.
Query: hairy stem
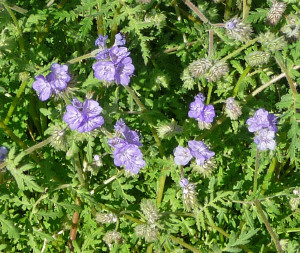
(268, 226)
(197, 11)
(246, 8)
(210, 87)
(234, 53)
(269, 175)
(256, 171)
(284, 70)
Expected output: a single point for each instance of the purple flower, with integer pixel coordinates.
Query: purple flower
(124, 71)
(3, 153)
(265, 139)
(120, 126)
(201, 112)
(116, 142)
(261, 119)
(182, 156)
(200, 151)
(86, 120)
(118, 53)
(119, 40)
(102, 55)
(55, 82)
(43, 87)
(77, 103)
(114, 64)
(59, 77)
(183, 182)
(101, 41)
(104, 70)
(130, 136)
(130, 157)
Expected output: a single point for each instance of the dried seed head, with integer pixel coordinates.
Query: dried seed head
(270, 42)
(150, 211)
(168, 130)
(189, 197)
(292, 29)
(106, 218)
(199, 67)
(275, 13)
(187, 79)
(258, 58)
(149, 233)
(205, 169)
(218, 70)
(232, 109)
(113, 237)
(238, 30)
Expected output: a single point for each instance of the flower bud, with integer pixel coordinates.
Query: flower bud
(238, 30)
(112, 237)
(106, 218)
(3, 153)
(206, 168)
(59, 138)
(168, 130)
(232, 109)
(218, 70)
(187, 79)
(149, 233)
(189, 197)
(199, 67)
(258, 58)
(275, 13)
(291, 30)
(270, 42)
(150, 211)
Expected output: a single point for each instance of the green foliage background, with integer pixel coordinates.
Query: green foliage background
(41, 187)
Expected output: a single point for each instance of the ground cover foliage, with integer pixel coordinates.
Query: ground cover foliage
(60, 189)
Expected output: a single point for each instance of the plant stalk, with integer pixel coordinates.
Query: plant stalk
(256, 171)
(268, 226)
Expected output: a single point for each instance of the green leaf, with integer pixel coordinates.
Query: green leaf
(8, 227)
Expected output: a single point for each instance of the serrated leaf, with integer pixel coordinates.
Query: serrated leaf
(8, 227)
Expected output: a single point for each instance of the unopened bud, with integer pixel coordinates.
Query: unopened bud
(106, 218)
(150, 211)
(232, 109)
(199, 67)
(275, 13)
(218, 70)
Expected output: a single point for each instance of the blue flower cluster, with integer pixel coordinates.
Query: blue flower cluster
(83, 117)
(126, 149)
(263, 124)
(197, 149)
(204, 114)
(54, 83)
(113, 64)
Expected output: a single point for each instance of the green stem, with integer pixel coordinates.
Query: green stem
(246, 8)
(79, 170)
(17, 97)
(12, 15)
(210, 87)
(268, 226)
(237, 86)
(256, 171)
(161, 186)
(184, 244)
(269, 175)
(251, 42)
(283, 68)
(83, 57)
